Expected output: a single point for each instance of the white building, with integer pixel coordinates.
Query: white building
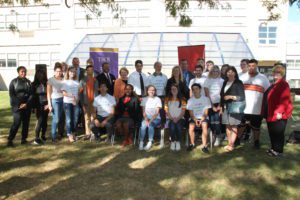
(50, 34)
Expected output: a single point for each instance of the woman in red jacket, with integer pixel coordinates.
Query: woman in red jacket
(277, 109)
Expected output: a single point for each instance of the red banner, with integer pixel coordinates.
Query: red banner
(191, 54)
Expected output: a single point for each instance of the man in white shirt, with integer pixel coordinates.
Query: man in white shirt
(139, 79)
(244, 66)
(209, 66)
(104, 105)
(255, 84)
(198, 79)
(198, 106)
(159, 80)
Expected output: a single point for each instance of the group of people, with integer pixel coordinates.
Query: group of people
(209, 97)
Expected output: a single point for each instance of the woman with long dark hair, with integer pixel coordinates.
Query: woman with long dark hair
(40, 105)
(175, 107)
(232, 105)
(55, 99)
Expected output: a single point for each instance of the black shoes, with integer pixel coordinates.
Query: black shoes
(10, 143)
(205, 150)
(256, 144)
(23, 142)
(191, 147)
(273, 153)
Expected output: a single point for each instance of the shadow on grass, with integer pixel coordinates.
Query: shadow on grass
(102, 172)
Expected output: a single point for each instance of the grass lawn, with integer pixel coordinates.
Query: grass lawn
(87, 170)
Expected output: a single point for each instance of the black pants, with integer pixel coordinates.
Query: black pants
(20, 116)
(41, 125)
(276, 133)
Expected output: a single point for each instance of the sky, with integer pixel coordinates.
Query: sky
(294, 13)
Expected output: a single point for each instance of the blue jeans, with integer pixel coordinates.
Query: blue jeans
(176, 130)
(57, 109)
(71, 112)
(155, 123)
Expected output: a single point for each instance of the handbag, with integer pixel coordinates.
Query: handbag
(236, 107)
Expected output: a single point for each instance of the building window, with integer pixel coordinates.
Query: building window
(2, 63)
(267, 34)
(11, 62)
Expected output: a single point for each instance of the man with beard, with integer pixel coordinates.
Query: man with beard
(255, 84)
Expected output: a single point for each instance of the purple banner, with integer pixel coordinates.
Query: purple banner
(109, 55)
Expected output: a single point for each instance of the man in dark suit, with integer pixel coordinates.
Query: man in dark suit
(187, 75)
(107, 78)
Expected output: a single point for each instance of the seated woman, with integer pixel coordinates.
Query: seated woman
(175, 106)
(127, 113)
(151, 105)
(104, 105)
(198, 106)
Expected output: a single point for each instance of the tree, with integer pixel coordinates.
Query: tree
(176, 8)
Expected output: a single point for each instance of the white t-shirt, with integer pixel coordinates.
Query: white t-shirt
(151, 105)
(200, 81)
(205, 74)
(71, 87)
(56, 87)
(254, 92)
(214, 86)
(172, 106)
(160, 83)
(198, 106)
(104, 104)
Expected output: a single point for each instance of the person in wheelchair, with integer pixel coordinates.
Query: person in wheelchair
(151, 105)
(127, 113)
(103, 115)
(198, 106)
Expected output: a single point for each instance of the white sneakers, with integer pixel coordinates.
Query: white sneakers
(175, 146)
(147, 147)
(178, 146)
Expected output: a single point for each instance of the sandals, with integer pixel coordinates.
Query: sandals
(228, 148)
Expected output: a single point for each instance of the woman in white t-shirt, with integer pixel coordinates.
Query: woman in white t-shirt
(151, 105)
(175, 106)
(212, 87)
(55, 98)
(70, 90)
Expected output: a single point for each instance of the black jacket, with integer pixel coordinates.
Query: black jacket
(36, 98)
(103, 79)
(20, 91)
(236, 89)
(132, 107)
(183, 89)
